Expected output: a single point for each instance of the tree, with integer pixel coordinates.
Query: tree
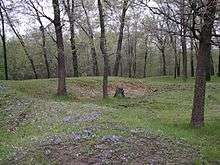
(161, 41)
(208, 63)
(219, 61)
(145, 56)
(197, 119)
(183, 38)
(61, 90)
(91, 42)
(192, 57)
(3, 37)
(120, 39)
(70, 9)
(173, 42)
(43, 35)
(103, 48)
(20, 38)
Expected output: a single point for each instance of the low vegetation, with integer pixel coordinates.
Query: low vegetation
(150, 124)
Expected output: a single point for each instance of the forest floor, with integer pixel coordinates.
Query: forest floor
(149, 126)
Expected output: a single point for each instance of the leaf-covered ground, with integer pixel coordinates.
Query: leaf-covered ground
(149, 126)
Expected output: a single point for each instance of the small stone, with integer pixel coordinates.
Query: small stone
(57, 140)
(47, 152)
(52, 140)
(107, 154)
(87, 134)
(67, 119)
(3, 88)
(75, 136)
(101, 146)
(136, 131)
(112, 138)
(89, 117)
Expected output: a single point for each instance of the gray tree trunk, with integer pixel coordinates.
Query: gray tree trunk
(92, 43)
(183, 39)
(3, 37)
(197, 119)
(120, 39)
(61, 90)
(103, 48)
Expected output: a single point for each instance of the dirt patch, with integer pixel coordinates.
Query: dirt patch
(134, 150)
(130, 89)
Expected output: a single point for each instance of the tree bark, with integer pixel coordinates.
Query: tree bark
(197, 119)
(164, 61)
(219, 61)
(92, 43)
(135, 57)
(72, 40)
(103, 48)
(61, 90)
(208, 63)
(145, 61)
(183, 39)
(192, 58)
(70, 9)
(130, 53)
(3, 37)
(44, 48)
(212, 69)
(178, 66)
(120, 39)
(121, 67)
(173, 42)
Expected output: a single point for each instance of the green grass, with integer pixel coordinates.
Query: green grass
(166, 113)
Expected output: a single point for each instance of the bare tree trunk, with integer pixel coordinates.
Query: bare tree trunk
(120, 38)
(121, 66)
(61, 90)
(192, 58)
(135, 57)
(74, 51)
(208, 63)
(129, 69)
(212, 69)
(45, 51)
(219, 61)
(173, 42)
(94, 59)
(3, 37)
(197, 119)
(92, 44)
(130, 54)
(103, 48)
(72, 40)
(164, 61)
(30, 59)
(183, 39)
(178, 67)
(145, 62)
(175, 66)
(70, 9)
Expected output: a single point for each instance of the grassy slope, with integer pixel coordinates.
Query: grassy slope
(167, 112)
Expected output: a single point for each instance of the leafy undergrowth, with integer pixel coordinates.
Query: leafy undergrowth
(150, 125)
